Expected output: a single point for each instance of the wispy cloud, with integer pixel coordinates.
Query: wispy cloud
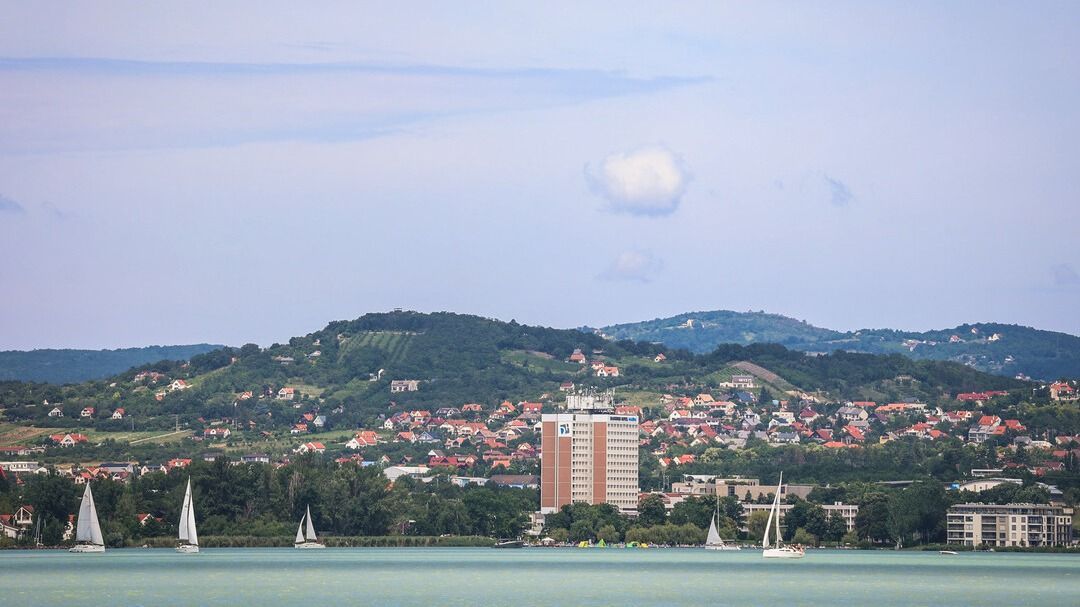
(1064, 275)
(633, 266)
(184, 104)
(839, 193)
(8, 205)
(647, 182)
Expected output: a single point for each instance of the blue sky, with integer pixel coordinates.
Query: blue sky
(180, 173)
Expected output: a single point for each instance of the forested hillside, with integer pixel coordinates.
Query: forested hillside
(1001, 349)
(71, 366)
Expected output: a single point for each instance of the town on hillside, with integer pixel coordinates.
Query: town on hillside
(653, 460)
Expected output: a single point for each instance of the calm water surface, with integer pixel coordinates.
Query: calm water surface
(532, 576)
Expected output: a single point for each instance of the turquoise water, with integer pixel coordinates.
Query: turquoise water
(533, 576)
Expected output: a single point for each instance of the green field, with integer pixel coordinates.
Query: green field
(537, 363)
(12, 435)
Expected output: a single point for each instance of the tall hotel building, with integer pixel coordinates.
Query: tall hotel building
(589, 454)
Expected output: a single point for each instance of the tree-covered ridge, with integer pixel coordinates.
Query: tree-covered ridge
(71, 366)
(1001, 349)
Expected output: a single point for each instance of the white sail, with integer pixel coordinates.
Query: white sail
(714, 535)
(768, 525)
(300, 532)
(88, 529)
(776, 507)
(310, 527)
(188, 533)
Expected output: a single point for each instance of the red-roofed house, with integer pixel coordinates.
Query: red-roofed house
(68, 440)
(314, 447)
(364, 438)
(177, 463)
(1061, 391)
(217, 432)
(855, 433)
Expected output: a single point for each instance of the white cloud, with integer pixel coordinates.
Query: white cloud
(633, 265)
(648, 181)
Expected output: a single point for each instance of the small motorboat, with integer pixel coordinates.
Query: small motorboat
(946, 552)
(509, 544)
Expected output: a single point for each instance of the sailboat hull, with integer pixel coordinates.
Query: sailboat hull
(309, 546)
(187, 549)
(86, 548)
(783, 553)
(724, 547)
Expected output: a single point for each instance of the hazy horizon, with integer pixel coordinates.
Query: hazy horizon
(180, 174)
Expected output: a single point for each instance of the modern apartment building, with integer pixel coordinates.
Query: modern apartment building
(589, 454)
(1009, 525)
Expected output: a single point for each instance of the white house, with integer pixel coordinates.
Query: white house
(404, 385)
(315, 447)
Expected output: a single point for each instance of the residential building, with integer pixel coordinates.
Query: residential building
(404, 385)
(739, 382)
(847, 511)
(1061, 391)
(589, 454)
(19, 467)
(700, 484)
(1009, 525)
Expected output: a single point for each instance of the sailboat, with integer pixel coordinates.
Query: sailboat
(88, 532)
(780, 551)
(189, 538)
(305, 534)
(714, 541)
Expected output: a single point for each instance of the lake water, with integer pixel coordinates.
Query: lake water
(533, 576)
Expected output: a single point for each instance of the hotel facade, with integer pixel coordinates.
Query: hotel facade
(588, 454)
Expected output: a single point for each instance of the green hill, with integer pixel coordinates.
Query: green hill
(345, 372)
(994, 348)
(68, 366)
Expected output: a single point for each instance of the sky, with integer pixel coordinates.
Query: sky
(245, 172)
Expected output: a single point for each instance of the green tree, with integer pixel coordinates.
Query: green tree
(872, 520)
(651, 510)
(804, 537)
(756, 524)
